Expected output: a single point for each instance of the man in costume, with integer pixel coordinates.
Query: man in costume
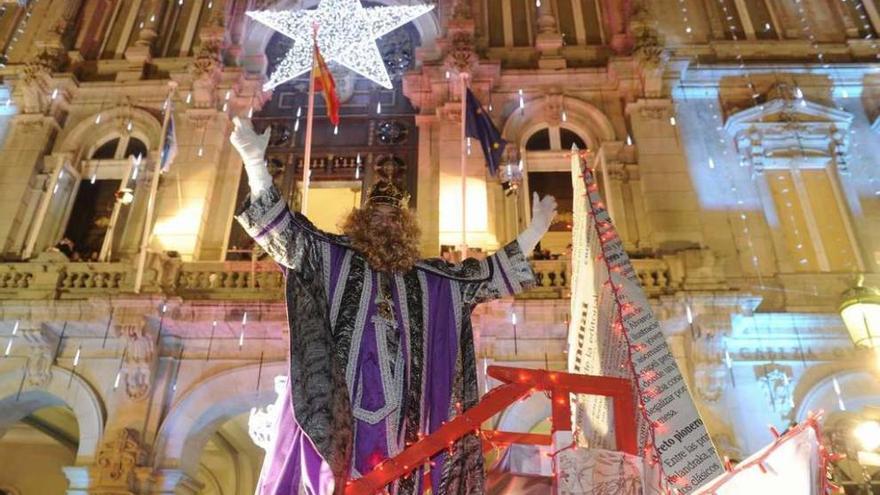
(381, 345)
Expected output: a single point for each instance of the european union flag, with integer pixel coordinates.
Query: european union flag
(479, 125)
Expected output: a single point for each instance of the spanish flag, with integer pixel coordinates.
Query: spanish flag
(324, 82)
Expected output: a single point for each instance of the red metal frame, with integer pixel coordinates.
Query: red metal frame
(517, 383)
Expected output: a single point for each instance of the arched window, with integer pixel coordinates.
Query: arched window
(120, 148)
(554, 138)
(568, 138)
(539, 141)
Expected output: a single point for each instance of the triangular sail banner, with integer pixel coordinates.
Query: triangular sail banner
(613, 332)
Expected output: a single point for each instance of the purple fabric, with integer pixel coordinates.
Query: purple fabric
(370, 444)
(294, 457)
(291, 454)
(271, 225)
(442, 349)
(507, 283)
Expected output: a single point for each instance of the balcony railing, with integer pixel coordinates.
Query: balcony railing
(242, 279)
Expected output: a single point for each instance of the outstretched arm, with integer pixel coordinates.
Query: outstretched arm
(286, 236)
(511, 271)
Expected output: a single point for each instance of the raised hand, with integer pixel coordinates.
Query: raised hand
(252, 149)
(543, 212)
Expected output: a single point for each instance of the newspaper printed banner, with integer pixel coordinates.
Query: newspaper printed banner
(615, 333)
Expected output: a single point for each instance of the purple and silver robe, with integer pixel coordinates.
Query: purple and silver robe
(376, 359)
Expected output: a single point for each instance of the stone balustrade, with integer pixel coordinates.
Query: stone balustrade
(229, 280)
(246, 279)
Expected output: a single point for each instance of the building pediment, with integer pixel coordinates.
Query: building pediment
(790, 127)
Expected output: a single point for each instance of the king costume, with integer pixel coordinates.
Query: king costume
(376, 359)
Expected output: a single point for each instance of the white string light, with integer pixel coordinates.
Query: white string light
(346, 34)
(379, 107)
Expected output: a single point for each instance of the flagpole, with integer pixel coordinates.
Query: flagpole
(310, 113)
(464, 247)
(154, 189)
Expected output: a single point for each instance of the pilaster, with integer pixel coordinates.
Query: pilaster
(671, 207)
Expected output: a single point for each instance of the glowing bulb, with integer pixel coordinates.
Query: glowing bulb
(244, 318)
(296, 125)
(522, 101)
(513, 318)
(15, 327)
(798, 93)
(336, 130)
(690, 315)
(868, 435)
(210, 5)
(538, 3)
(379, 107)
(299, 112)
(98, 119)
(251, 113)
(490, 107)
(130, 126)
(241, 339)
(55, 189)
(672, 120)
(225, 107)
(520, 165)
(55, 93)
(687, 30)
(116, 381)
(711, 162)
(76, 357)
(94, 177)
(629, 140)
(8, 348)
(447, 74)
(564, 116)
(201, 151)
(189, 98)
(228, 94)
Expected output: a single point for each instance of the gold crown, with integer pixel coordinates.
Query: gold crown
(384, 192)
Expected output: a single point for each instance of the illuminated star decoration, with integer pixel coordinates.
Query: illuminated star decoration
(347, 34)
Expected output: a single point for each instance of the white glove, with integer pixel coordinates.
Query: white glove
(543, 212)
(252, 149)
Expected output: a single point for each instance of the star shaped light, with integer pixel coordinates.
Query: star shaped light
(347, 34)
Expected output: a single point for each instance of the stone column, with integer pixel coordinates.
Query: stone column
(429, 185)
(671, 207)
(141, 52)
(20, 178)
(173, 482)
(548, 41)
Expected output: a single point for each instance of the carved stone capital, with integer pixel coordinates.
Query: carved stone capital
(116, 465)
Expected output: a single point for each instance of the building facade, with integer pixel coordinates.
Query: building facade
(736, 144)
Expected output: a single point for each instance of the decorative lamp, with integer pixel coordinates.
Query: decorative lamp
(860, 311)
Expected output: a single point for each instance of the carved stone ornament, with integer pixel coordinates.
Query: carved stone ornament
(261, 422)
(776, 383)
(207, 63)
(140, 358)
(788, 126)
(461, 56)
(42, 343)
(710, 381)
(115, 466)
(647, 46)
